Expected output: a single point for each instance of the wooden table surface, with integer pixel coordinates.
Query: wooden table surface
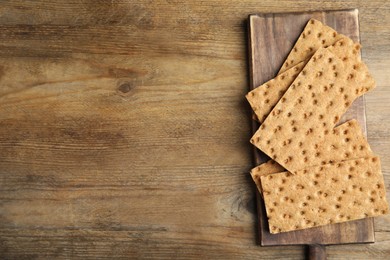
(124, 131)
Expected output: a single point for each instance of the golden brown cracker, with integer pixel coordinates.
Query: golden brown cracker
(264, 169)
(332, 148)
(263, 98)
(327, 194)
(314, 36)
(308, 111)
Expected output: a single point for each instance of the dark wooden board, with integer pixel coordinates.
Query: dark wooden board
(271, 37)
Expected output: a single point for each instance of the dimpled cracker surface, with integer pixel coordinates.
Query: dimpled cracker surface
(264, 169)
(326, 194)
(344, 142)
(314, 36)
(265, 97)
(308, 111)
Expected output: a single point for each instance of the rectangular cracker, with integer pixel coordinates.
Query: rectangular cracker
(332, 148)
(263, 98)
(308, 111)
(327, 194)
(314, 36)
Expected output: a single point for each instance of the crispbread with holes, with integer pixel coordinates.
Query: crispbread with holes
(263, 98)
(314, 36)
(264, 169)
(334, 147)
(326, 194)
(309, 109)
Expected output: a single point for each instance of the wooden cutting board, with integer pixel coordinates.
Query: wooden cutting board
(271, 37)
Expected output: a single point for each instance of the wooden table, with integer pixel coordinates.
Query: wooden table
(124, 129)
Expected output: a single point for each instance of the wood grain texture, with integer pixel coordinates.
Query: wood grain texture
(124, 128)
(271, 38)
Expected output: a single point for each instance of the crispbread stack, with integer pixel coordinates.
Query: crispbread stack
(319, 174)
(345, 49)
